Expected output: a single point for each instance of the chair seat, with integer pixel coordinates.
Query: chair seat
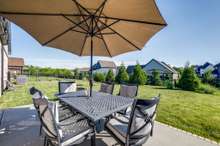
(117, 128)
(75, 133)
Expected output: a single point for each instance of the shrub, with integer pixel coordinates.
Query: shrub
(189, 80)
(122, 76)
(156, 80)
(139, 76)
(99, 77)
(76, 74)
(207, 89)
(216, 82)
(169, 84)
(110, 77)
(207, 77)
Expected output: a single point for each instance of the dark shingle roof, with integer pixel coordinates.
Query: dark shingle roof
(104, 64)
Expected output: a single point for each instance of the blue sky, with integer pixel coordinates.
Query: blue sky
(192, 34)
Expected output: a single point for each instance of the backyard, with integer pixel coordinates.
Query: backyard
(190, 111)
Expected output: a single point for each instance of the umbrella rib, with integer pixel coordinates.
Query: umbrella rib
(82, 15)
(75, 1)
(59, 35)
(121, 36)
(102, 38)
(106, 26)
(84, 20)
(134, 21)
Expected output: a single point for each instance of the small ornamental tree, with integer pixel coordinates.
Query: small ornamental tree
(207, 77)
(156, 80)
(139, 76)
(110, 77)
(76, 74)
(99, 77)
(189, 80)
(122, 76)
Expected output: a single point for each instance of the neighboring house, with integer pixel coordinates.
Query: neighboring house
(164, 69)
(5, 46)
(15, 65)
(216, 71)
(83, 70)
(200, 70)
(104, 66)
(130, 69)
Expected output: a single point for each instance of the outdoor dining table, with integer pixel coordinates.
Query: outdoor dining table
(97, 107)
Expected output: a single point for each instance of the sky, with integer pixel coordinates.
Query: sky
(192, 34)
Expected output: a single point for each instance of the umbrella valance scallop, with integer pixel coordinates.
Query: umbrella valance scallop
(114, 26)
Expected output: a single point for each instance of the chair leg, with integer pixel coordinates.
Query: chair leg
(40, 132)
(45, 141)
(93, 142)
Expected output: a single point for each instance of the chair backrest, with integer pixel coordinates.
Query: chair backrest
(48, 121)
(36, 96)
(128, 90)
(142, 120)
(107, 88)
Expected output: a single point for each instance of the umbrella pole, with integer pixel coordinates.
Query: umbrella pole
(91, 68)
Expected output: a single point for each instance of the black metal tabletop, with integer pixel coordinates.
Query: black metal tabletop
(98, 106)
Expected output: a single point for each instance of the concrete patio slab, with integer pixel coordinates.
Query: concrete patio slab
(20, 127)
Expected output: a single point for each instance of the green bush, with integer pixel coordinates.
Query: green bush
(110, 77)
(189, 80)
(216, 82)
(207, 77)
(139, 76)
(169, 84)
(99, 77)
(207, 89)
(155, 79)
(122, 76)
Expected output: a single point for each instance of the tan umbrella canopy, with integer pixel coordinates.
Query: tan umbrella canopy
(87, 27)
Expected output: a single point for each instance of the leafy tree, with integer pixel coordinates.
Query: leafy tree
(156, 80)
(139, 76)
(189, 80)
(99, 77)
(110, 77)
(76, 73)
(122, 76)
(207, 77)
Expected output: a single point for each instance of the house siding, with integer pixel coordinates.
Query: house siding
(104, 70)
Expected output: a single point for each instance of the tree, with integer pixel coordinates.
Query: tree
(110, 77)
(207, 77)
(156, 80)
(99, 77)
(189, 80)
(122, 76)
(139, 76)
(76, 73)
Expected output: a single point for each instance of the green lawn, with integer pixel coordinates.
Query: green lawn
(190, 111)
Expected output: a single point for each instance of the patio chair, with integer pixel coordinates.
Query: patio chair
(63, 134)
(38, 99)
(128, 90)
(107, 88)
(139, 127)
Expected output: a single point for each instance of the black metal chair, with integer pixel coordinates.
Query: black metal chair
(72, 132)
(107, 88)
(128, 90)
(138, 127)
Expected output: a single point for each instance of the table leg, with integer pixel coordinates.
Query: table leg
(93, 138)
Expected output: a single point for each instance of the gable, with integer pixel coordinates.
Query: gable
(155, 65)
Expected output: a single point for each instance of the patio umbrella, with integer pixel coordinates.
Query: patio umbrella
(87, 27)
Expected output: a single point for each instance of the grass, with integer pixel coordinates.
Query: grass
(198, 113)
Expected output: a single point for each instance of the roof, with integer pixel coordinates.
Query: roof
(13, 61)
(205, 65)
(104, 64)
(83, 69)
(168, 67)
(130, 68)
(217, 65)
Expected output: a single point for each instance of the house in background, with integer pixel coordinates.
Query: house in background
(164, 69)
(15, 65)
(5, 46)
(130, 69)
(200, 70)
(104, 66)
(216, 71)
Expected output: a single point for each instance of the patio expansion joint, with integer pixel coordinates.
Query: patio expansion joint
(191, 134)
